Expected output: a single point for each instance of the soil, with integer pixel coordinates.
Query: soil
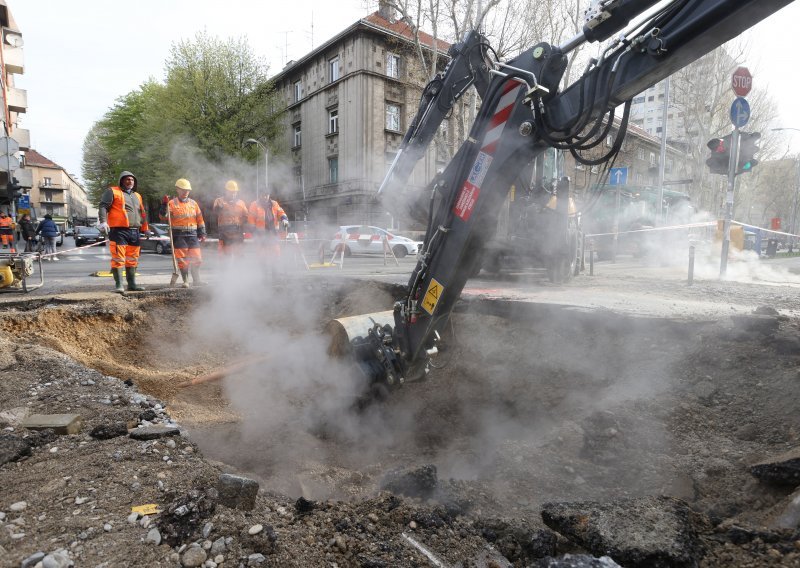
(530, 404)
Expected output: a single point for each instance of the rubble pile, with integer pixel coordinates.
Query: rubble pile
(95, 471)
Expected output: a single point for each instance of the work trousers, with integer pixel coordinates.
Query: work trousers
(231, 239)
(124, 245)
(187, 249)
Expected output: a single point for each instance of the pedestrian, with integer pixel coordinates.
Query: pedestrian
(27, 231)
(49, 231)
(123, 218)
(231, 215)
(7, 231)
(188, 230)
(269, 222)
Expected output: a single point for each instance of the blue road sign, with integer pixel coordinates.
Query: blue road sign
(24, 202)
(618, 176)
(740, 112)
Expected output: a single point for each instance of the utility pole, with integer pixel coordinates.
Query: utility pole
(663, 155)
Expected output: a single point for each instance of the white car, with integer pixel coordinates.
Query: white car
(364, 239)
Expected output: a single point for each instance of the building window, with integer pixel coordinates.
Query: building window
(393, 117)
(298, 91)
(652, 158)
(392, 65)
(651, 98)
(638, 100)
(333, 121)
(333, 69)
(297, 135)
(48, 196)
(658, 129)
(333, 170)
(48, 182)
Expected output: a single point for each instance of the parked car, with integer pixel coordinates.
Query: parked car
(88, 235)
(156, 240)
(70, 232)
(364, 239)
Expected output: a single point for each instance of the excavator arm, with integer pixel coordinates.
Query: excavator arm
(522, 114)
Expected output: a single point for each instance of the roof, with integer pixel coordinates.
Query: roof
(405, 30)
(34, 158)
(374, 21)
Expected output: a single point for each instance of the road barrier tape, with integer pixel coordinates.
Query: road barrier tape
(692, 226)
(655, 229)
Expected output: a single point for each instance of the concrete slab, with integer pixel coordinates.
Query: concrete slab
(61, 424)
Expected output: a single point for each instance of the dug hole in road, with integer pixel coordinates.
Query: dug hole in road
(657, 427)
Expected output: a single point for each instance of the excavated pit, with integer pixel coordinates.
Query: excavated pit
(531, 403)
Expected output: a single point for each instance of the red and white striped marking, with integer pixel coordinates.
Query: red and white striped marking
(468, 196)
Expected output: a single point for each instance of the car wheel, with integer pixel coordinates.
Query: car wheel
(400, 251)
(159, 248)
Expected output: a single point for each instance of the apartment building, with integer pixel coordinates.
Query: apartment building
(55, 191)
(15, 103)
(348, 105)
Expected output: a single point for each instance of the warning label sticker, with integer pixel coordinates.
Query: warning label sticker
(472, 187)
(432, 296)
(479, 169)
(466, 201)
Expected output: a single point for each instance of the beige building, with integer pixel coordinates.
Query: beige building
(15, 103)
(348, 105)
(55, 191)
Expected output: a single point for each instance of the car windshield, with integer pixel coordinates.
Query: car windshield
(158, 231)
(88, 231)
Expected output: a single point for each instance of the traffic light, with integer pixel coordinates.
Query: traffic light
(720, 154)
(13, 190)
(748, 146)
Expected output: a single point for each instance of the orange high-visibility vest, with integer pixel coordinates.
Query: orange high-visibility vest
(230, 213)
(6, 223)
(258, 215)
(118, 217)
(185, 216)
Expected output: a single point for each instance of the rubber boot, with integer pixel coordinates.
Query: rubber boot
(196, 276)
(130, 275)
(117, 274)
(185, 277)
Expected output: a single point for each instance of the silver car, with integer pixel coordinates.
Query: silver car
(366, 239)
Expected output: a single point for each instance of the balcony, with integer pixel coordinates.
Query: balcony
(55, 199)
(52, 186)
(17, 100)
(23, 138)
(14, 60)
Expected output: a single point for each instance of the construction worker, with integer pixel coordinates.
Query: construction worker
(231, 215)
(270, 223)
(123, 218)
(7, 231)
(188, 230)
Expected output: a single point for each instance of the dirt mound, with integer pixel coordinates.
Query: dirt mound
(529, 404)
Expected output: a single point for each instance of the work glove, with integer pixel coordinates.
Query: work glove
(285, 225)
(103, 227)
(165, 199)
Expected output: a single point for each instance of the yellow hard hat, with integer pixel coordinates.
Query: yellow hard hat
(183, 184)
(231, 186)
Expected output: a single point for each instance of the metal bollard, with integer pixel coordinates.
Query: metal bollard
(691, 264)
(591, 261)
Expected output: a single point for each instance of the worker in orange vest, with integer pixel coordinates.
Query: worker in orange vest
(188, 230)
(231, 215)
(270, 223)
(7, 231)
(123, 218)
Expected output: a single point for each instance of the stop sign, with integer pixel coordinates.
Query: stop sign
(741, 81)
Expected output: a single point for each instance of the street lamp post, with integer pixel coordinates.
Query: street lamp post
(266, 163)
(796, 188)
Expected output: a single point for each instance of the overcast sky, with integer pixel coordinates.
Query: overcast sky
(80, 55)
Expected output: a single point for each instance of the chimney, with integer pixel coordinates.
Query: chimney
(386, 11)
